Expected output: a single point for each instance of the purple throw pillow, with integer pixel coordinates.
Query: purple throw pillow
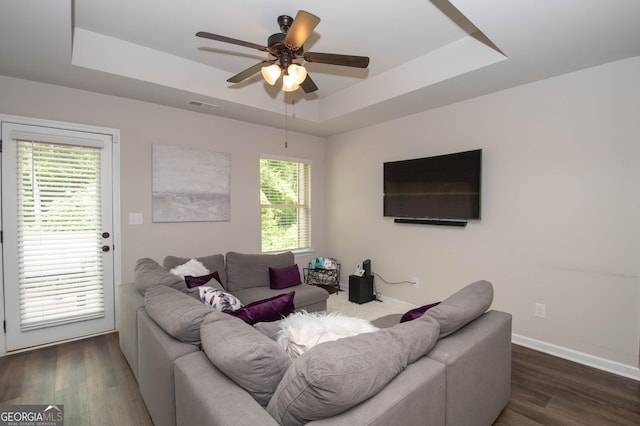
(198, 281)
(271, 309)
(284, 277)
(417, 312)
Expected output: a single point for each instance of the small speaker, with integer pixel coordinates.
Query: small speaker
(366, 265)
(361, 289)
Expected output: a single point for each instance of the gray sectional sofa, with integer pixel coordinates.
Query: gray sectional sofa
(194, 365)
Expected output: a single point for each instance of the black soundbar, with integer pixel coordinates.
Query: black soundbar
(444, 222)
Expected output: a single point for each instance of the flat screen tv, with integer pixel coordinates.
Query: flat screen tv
(440, 187)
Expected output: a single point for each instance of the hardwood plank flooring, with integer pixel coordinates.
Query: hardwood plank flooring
(89, 377)
(546, 390)
(93, 381)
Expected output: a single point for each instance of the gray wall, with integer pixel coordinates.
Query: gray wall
(143, 124)
(560, 209)
(560, 202)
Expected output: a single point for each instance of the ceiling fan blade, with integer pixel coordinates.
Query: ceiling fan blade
(308, 85)
(334, 59)
(302, 27)
(224, 39)
(243, 75)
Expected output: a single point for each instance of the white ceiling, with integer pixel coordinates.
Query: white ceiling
(424, 53)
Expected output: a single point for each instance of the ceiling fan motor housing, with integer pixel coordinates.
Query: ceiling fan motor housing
(277, 48)
(285, 21)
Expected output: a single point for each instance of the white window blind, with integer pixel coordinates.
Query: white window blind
(285, 201)
(59, 257)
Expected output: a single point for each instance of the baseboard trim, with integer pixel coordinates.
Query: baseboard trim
(555, 350)
(397, 301)
(579, 357)
(345, 287)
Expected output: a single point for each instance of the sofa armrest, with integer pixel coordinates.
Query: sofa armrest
(129, 301)
(415, 397)
(158, 352)
(206, 396)
(478, 362)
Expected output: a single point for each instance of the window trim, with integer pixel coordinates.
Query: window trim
(309, 162)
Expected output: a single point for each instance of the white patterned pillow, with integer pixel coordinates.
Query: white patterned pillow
(218, 299)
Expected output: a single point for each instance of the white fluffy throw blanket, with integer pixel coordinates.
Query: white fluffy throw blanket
(301, 331)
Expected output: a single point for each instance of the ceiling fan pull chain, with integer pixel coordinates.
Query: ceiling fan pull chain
(286, 127)
(286, 117)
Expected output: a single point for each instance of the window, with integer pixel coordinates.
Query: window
(285, 204)
(59, 224)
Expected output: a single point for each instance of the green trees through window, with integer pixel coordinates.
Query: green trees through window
(285, 205)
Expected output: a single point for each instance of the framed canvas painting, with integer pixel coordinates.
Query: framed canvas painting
(190, 184)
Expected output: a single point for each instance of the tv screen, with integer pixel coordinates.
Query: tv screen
(440, 187)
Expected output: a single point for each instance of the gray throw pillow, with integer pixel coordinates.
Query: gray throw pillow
(462, 307)
(334, 376)
(179, 314)
(246, 356)
(148, 273)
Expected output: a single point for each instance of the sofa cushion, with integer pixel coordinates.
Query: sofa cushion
(211, 280)
(306, 294)
(462, 307)
(252, 270)
(213, 263)
(246, 356)
(335, 376)
(177, 313)
(148, 273)
(268, 328)
(286, 277)
(271, 309)
(219, 300)
(387, 321)
(417, 312)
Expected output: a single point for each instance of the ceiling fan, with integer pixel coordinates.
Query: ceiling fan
(286, 47)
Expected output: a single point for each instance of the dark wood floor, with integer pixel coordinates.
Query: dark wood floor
(89, 377)
(93, 381)
(546, 390)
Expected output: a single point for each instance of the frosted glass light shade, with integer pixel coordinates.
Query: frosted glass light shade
(297, 73)
(271, 73)
(289, 84)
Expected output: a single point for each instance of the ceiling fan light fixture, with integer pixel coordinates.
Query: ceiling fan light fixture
(289, 84)
(297, 72)
(271, 73)
(286, 47)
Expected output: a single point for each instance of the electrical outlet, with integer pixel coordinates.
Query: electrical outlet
(416, 282)
(540, 310)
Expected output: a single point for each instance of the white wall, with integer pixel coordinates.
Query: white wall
(560, 209)
(143, 124)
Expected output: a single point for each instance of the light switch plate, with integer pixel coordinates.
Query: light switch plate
(135, 218)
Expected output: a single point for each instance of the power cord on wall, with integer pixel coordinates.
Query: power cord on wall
(392, 283)
(379, 295)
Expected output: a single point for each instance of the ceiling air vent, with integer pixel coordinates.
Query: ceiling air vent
(199, 104)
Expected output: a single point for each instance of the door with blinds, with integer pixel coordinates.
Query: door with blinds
(57, 234)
